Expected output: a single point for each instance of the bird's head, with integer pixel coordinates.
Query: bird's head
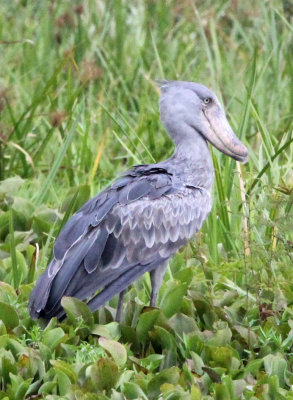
(189, 106)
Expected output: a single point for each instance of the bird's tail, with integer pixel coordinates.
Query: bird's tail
(112, 287)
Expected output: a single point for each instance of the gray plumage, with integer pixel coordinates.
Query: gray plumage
(138, 223)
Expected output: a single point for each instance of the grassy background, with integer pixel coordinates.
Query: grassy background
(78, 106)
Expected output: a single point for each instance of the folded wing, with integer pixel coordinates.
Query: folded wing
(128, 229)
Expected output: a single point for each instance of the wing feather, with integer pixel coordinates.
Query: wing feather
(139, 221)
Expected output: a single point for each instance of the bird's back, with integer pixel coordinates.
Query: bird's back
(129, 228)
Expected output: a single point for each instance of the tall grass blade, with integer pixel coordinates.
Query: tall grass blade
(15, 277)
(56, 165)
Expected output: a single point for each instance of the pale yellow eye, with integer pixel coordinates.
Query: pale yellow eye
(207, 100)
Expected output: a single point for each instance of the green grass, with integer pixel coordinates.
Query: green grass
(77, 106)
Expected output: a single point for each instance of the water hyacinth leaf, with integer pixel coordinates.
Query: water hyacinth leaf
(164, 338)
(166, 341)
(222, 336)
(16, 348)
(8, 315)
(3, 330)
(198, 363)
(221, 357)
(176, 263)
(64, 367)
(239, 386)
(23, 207)
(152, 361)
(76, 308)
(227, 381)
(47, 387)
(247, 334)
(184, 275)
(146, 323)
(275, 392)
(64, 383)
(194, 343)
(172, 298)
(275, 364)
(124, 377)
(195, 393)
(133, 391)
(116, 350)
(51, 338)
(129, 335)
(254, 366)
(7, 365)
(109, 331)
(10, 186)
(221, 392)
(104, 374)
(22, 389)
(170, 375)
(43, 222)
(6, 291)
(182, 324)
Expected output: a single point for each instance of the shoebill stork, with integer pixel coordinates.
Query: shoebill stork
(138, 223)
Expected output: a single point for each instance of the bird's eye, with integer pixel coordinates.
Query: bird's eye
(207, 100)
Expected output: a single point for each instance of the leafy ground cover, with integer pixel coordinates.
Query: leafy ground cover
(78, 106)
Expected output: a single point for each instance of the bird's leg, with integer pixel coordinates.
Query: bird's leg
(120, 304)
(157, 276)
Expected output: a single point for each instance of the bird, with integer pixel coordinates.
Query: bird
(139, 222)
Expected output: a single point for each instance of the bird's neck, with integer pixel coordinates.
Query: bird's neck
(195, 160)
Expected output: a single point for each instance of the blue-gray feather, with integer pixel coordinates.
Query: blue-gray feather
(141, 227)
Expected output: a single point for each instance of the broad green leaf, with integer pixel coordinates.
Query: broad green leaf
(116, 350)
(51, 338)
(152, 361)
(10, 186)
(221, 392)
(170, 375)
(17, 348)
(198, 363)
(104, 374)
(221, 356)
(8, 315)
(248, 335)
(275, 364)
(254, 366)
(3, 330)
(76, 308)
(146, 323)
(6, 291)
(172, 298)
(164, 338)
(7, 365)
(184, 275)
(222, 336)
(64, 367)
(133, 391)
(109, 331)
(195, 393)
(64, 382)
(22, 389)
(47, 387)
(182, 324)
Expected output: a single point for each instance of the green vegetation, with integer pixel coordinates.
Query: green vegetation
(78, 106)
